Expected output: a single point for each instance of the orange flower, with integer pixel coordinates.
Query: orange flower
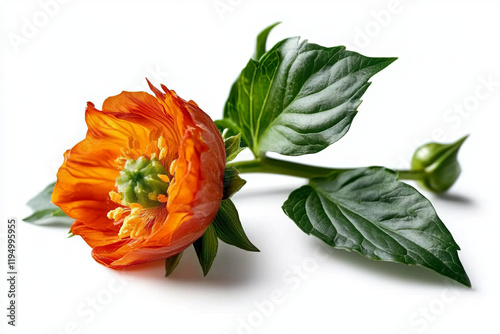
(146, 181)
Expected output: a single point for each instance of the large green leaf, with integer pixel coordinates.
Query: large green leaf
(48, 216)
(299, 98)
(368, 211)
(226, 125)
(44, 211)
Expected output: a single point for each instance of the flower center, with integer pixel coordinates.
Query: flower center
(142, 181)
(142, 186)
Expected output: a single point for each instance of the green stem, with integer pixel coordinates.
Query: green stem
(274, 166)
(411, 174)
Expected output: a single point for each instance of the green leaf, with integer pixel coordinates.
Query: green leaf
(226, 123)
(206, 249)
(40, 215)
(368, 211)
(233, 147)
(299, 98)
(232, 182)
(42, 200)
(44, 210)
(262, 41)
(228, 226)
(171, 263)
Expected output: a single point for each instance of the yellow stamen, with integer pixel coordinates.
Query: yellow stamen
(116, 214)
(123, 232)
(131, 221)
(163, 153)
(115, 197)
(152, 196)
(161, 143)
(136, 208)
(162, 198)
(128, 224)
(164, 178)
(138, 229)
(173, 167)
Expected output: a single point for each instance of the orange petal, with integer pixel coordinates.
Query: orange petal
(111, 131)
(119, 255)
(145, 109)
(89, 171)
(93, 237)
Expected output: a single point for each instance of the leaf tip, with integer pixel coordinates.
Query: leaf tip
(251, 247)
(462, 140)
(274, 25)
(171, 263)
(463, 279)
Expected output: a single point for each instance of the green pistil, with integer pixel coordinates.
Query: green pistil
(139, 182)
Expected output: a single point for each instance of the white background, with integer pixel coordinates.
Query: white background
(437, 89)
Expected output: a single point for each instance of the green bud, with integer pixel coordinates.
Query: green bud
(139, 182)
(440, 164)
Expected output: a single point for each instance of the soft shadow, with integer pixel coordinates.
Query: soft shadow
(52, 222)
(153, 269)
(250, 193)
(455, 198)
(232, 267)
(387, 270)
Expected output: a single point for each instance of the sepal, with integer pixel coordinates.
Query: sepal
(228, 227)
(206, 249)
(232, 182)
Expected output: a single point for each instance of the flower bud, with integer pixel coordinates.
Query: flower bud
(440, 164)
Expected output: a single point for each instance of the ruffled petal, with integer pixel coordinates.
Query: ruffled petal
(143, 108)
(196, 190)
(93, 237)
(89, 170)
(120, 255)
